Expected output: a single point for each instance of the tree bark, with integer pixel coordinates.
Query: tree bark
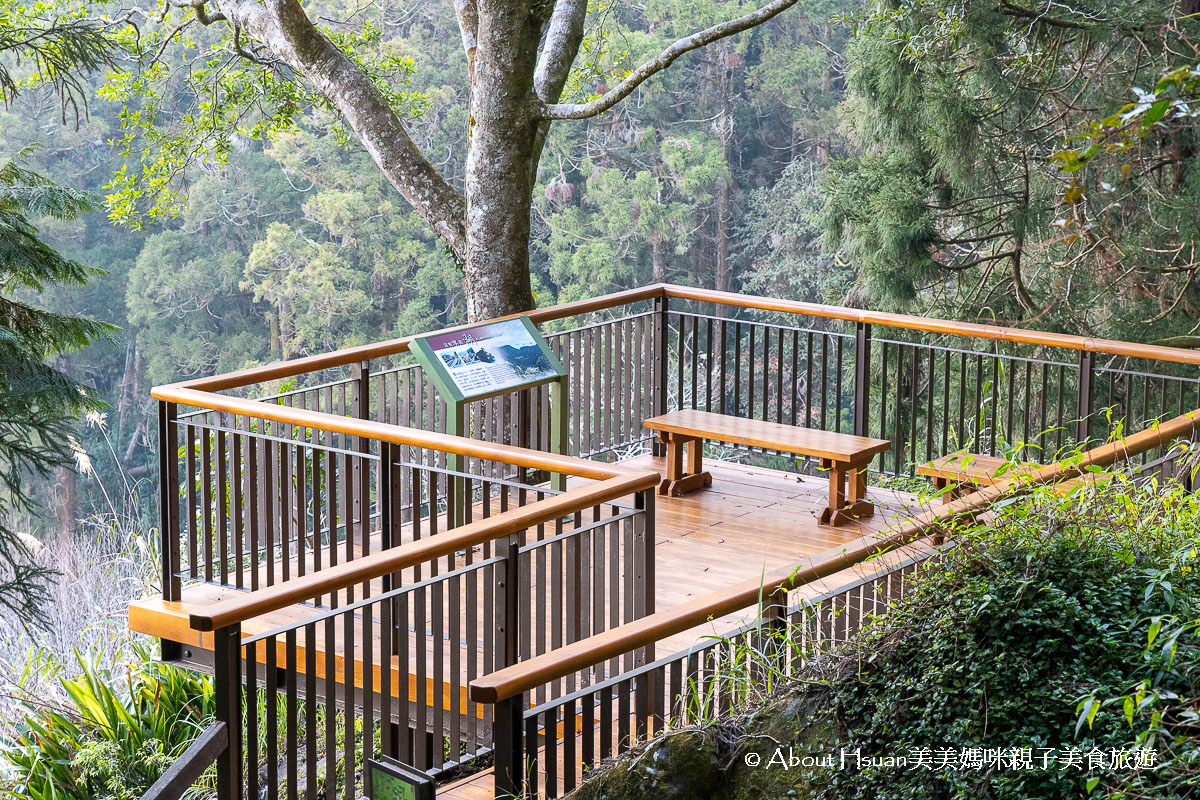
(499, 178)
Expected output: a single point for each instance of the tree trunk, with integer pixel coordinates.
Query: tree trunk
(66, 500)
(499, 173)
(658, 256)
(722, 236)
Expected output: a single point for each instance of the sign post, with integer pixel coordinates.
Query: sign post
(487, 360)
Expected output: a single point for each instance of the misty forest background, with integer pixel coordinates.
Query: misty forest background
(916, 156)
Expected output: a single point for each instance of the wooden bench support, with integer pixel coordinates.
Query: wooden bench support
(845, 457)
(845, 479)
(685, 464)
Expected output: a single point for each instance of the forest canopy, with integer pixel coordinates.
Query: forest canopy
(978, 159)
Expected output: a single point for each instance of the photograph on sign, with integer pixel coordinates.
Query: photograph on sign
(492, 358)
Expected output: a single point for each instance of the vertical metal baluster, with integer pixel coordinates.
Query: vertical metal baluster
(995, 400)
(680, 358)
(737, 369)
(1061, 423)
(252, 730)
(883, 396)
(271, 698)
(721, 387)
(808, 381)
(331, 713)
(946, 365)
(708, 364)
(837, 385)
(824, 379)
(349, 683)
(238, 510)
(292, 717)
(899, 444)
(795, 398)
(929, 407)
(779, 375)
(223, 504)
(310, 711)
(914, 394)
(192, 505)
(962, 400)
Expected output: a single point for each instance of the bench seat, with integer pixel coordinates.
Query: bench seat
(845, 456)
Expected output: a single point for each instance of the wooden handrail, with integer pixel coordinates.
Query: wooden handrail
(521, 677)
(932, 325)
(245, 606)
(397, 434)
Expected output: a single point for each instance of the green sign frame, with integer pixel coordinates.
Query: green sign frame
(388, 779)
(488, 360)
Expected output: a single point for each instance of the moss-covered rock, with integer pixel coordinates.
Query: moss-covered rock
(750, 758)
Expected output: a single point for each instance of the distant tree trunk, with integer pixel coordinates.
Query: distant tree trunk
(658, 256)
(129, 385)
(723, 271)
(66, 500)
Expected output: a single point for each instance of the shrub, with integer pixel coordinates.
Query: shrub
(115, 737)
(1065, 623)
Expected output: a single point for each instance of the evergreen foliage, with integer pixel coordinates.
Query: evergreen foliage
(954, 199)
(35, 397)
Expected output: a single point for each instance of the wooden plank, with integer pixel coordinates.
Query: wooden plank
(839, 447)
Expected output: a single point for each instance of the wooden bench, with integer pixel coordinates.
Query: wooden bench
(845, 456)
(951, 472)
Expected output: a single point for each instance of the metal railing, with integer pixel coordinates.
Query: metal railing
(544, 751)
(332, 491)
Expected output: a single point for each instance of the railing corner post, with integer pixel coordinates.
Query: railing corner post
(509, 746)
(1083, 408)
(862, 377)
(168, 499)
(659, 400)
(227, 684)
(644, 563)
(508, 596)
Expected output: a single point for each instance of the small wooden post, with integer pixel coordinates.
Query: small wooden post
(509, 744)
(508, 715)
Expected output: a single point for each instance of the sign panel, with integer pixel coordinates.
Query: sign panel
(391, 780)
(489, 359)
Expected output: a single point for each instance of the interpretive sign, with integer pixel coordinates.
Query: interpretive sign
(489, 359)
(484, 361)
(391, 780)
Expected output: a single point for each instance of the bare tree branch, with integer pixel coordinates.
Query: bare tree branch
(563, 38)
(663, 60)
(467, 13)
(282, 28)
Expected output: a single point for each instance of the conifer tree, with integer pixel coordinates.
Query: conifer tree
(36, 399)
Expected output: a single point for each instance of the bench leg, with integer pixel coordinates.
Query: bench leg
(840, 509)
(679, 480)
